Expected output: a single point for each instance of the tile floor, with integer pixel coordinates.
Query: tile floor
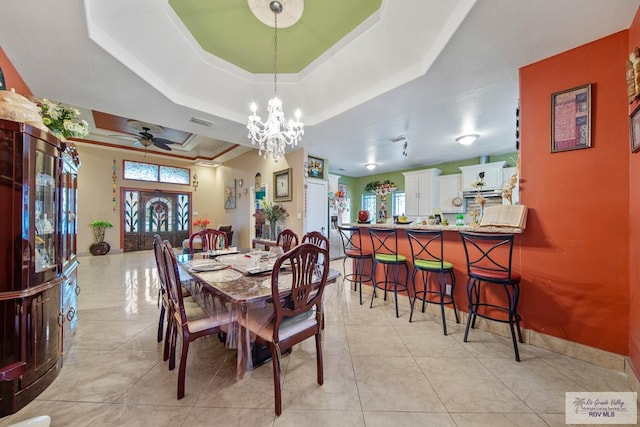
(379, 370)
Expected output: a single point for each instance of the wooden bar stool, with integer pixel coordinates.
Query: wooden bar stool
(489, 262)
(384, 242)
(352, 245)
(427, 253)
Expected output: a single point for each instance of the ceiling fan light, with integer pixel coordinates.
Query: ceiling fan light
(371, 166)
(467, 139)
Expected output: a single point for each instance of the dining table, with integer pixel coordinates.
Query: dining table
(236, 285)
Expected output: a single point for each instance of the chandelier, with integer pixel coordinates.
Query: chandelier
(276, 133)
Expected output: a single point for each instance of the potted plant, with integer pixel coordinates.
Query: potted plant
(99, 247)
(274, 214)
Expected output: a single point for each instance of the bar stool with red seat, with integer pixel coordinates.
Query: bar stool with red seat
(489, 262)
(352, 245)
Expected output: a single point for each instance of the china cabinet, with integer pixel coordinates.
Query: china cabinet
(38, 281)
(421, 192)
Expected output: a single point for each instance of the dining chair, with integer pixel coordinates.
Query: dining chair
(384, 242)
(210, 239)
(192, 322)
(316, 238)
(427, 254)
(352, 246)
(163, 294)
(288, 239)
(296, 317)
(489, 259)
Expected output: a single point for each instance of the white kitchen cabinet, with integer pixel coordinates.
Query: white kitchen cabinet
(421, 192)
(492, 176)
(450, 188)
(507, 173)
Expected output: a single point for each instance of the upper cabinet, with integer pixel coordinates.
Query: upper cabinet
(421, 192)
(493, 179)
(451, 193)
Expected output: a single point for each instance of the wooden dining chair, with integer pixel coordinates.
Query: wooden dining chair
(288, 239)
(163, 294)
(316, 238)
(297, 316)
(192, 322)
(209, 238)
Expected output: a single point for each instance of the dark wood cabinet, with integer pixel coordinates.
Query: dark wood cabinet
(38, 279)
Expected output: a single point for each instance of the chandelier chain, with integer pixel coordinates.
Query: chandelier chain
(275, 56)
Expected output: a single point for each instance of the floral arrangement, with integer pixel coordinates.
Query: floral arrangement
(62, 120)
(273, 212)
(201, 223)
(380, 187)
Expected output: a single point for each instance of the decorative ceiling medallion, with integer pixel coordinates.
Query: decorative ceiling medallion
(291, 13)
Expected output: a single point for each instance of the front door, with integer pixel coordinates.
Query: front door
(145, 213)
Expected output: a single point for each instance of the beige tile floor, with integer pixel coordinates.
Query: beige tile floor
(379, 370)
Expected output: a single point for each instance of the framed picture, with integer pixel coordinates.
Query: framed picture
(571, 119)
(230, 194)
(315, 167)
(634, 124)
(282, 186)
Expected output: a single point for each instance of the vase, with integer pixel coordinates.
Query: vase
(363, 216)
(272, 230)
(99, 248)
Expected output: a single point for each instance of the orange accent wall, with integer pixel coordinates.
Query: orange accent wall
(575, 250)
(11, 76)
(634, 231)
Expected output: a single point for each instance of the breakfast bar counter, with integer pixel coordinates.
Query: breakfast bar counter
(467, 228)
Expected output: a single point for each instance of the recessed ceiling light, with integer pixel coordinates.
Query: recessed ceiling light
(371, 166)
(467, 139)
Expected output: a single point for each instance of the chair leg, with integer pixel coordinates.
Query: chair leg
(453, 301)
(470, 293)
(415, 292)
(172, 351)
(183, 364)
(275, 362)
(374, 282)
(167, 338)
(161, 323)
(319, 359)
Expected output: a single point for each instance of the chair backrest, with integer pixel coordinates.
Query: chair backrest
(384, 240)
(427, 245)
(173, 282)
(316, 238)
(160, 263)
(209, 238)
(228, 229)
(287, 239)
(308, 278)
(488, 256)
(351, 239)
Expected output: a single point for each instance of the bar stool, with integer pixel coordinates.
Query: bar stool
(384, 242)
(489, 261)
(427, 253)
(352, 245)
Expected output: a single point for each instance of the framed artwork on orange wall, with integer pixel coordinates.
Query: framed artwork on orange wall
(571, 119)
(634, 125)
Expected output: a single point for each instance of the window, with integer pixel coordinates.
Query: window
(369, 205)
(398, 203)
(155, 173)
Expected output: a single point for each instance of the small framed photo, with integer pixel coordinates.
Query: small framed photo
(571, 119)
(634, 125)
(282, 186)
(315, 167)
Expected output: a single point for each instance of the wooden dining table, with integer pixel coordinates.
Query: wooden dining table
(237, 285)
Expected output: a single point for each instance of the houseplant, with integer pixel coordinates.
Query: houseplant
(99, 247)
(62, 120)
(273, 213)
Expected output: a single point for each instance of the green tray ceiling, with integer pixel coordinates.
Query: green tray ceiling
(229, 30)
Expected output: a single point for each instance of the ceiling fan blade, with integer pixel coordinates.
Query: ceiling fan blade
(161, 144)
(164, 141)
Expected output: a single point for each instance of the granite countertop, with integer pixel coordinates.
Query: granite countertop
(469, 228)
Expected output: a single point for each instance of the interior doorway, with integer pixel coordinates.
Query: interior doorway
(256, 215)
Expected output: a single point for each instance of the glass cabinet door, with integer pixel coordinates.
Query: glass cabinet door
(45, 215)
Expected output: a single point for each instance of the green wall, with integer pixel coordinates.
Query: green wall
(356, 185)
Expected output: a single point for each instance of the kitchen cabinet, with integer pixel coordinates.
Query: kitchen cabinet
(493, 179)
(421, 192)
(450, 190)
(37, 248)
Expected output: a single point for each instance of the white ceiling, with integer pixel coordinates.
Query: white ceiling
(426, 69)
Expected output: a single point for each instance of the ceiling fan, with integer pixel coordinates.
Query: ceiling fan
(144, 138)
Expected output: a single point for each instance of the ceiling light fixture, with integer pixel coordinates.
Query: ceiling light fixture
(467, 139)
(371, 166)
(275, 134)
